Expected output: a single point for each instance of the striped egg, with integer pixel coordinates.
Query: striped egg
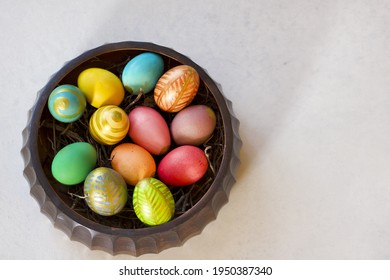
(153, 202)
(176, 88)
(66, 103)
(105, 191)
(108, 125)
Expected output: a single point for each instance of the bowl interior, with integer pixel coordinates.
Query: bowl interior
(53, 135)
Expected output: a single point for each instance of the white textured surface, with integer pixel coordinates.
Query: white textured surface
(309, 81)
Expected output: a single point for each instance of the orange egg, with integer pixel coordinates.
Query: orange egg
(176, 88)
(133, 162)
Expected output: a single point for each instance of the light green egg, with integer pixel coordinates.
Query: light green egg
(153, 202)
(72, 164)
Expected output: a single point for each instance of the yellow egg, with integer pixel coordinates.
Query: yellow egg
(108, 125)
(101, 87)
(176, 88)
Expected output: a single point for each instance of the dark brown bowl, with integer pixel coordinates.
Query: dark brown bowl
(57, 203)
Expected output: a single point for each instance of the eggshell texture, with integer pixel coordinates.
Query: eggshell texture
(149, 130)
(142, 72)
(72, 163)
(101, 87)
(176, 88)
(66, 103)
(109, 125)
(153, 202)
(105, 191)
(182, 166)
(193, 125)
(133, 162)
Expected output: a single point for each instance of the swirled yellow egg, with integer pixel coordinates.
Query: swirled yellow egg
(101, 87)
(176, 88)
(105, 191)
(108, 125)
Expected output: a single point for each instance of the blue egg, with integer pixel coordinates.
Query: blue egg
(67, 103)
(142, 72)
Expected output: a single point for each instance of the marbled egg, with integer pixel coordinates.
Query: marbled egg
(105, 191)
(153, 202)
(176, 88)
(142, 72)
(101, 87)
(193, 125)
(149, 130)
(108, 125)
(73, 162)
(66, 103)
(133, 162)
(182, 166)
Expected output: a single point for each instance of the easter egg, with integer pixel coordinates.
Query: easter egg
(66, 103)
(193, 125)
(133, 162)
(149, 130)
(105, 191)
(153, 202)
(176, 88)
(182, 166)
(101, 87)
(142, 72)
(73, 162)
(109, 125)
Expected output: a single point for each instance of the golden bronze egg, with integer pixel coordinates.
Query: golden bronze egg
(176, 88)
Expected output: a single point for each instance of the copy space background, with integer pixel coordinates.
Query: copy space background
(309, 82)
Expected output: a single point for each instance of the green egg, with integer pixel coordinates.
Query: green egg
(72, 164)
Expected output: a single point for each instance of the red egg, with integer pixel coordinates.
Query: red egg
(183, 166)
(149, 130)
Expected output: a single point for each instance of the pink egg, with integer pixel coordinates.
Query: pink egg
(182, 166)
(193, 125)
(149, 130)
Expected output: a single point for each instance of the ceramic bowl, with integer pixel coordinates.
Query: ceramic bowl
(64, 204)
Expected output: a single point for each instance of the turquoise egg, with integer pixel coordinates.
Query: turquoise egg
(67, 103)
(142, 72)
